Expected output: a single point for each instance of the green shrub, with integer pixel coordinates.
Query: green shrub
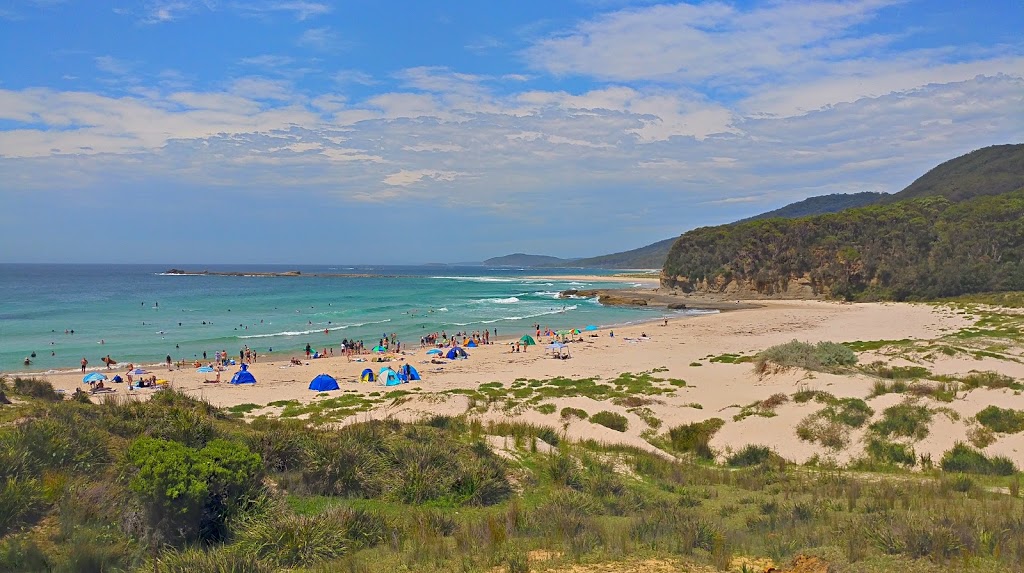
(904, 420)
(1002, 420)
(35, 388)
(546, 408)
(62, 437)
(965, 459)
(881, 387)
(883, 370)
(693, 438)
(611, 420)
(820, 429)
(751, 455)
(568, 413)
(887, 452)
(190, 494)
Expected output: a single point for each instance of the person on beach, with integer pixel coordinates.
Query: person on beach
(84, 363)
(168, 361)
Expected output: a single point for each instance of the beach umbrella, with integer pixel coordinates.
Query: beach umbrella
(204, 369)
(590, 327)
(563, 332)
(527, 340)
(555, 346)
(93, 377)
(379, 349)
(434, 351)
(138, 371)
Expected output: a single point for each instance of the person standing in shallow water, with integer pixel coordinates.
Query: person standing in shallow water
(84, 363)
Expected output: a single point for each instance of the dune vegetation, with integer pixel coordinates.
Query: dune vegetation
(175, 484)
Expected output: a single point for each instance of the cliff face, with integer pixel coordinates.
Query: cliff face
(792, 287)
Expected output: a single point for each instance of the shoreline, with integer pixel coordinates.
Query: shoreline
(702, 350)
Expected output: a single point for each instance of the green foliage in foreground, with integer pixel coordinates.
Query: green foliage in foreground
(820, 357)
(962, 458)
(433, 496)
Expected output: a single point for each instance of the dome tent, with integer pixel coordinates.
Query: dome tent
(408, 373)
(388, 377)
(367, 376)
(456, 352)
(243, 376)
(324, 383)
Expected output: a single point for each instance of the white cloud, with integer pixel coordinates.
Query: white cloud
(408, 177)
(353, 77)
(111, 65)
(322, 39)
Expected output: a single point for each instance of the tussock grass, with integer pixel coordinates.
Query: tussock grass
(964, 459)
(820, 357)
(907, 420)
(693, 438)
(1002, 420)
(612, 420)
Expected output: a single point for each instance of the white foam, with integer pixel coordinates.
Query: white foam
(507, 300)
(314, 331)
(475, 279)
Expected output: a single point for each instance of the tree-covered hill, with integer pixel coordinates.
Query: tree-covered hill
(959, 230)
(821, 205)
(923, 248)
(987, 171)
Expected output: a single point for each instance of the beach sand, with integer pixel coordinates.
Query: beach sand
(719, 388)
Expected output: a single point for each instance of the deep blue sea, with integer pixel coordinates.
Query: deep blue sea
(136, 313)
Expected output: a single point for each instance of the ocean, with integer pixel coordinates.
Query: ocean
(140, 314)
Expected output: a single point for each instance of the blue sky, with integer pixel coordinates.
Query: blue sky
(301, 131)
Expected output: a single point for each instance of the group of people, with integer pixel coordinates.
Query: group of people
(442, 340)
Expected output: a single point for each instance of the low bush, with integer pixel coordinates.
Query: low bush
(988, 379)
(35, 388)
(694, 438)
(887, 452)
(965, 459)
(821, 357)
(212, 560)
(616, 422)
(288, 540)
(751, 455)
(188, 494)
(819, 429)
(904, 420)
(568, 413)
(883, 370)
(1002, 420)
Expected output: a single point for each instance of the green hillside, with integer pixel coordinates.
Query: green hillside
(821, 205)
(650, 257)
(987, 171)
(927, 247)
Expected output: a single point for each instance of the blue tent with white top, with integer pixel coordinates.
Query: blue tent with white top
(456, 352)
(388, 377)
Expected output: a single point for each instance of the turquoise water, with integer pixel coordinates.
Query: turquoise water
(135, 313)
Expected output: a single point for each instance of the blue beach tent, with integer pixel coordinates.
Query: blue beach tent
(456, 352)
(243, 376)
(472, 344)
(388, 377)
(408, 373)
(367, 376)
(324, 383)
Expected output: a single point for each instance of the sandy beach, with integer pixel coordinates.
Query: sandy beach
(682, 349)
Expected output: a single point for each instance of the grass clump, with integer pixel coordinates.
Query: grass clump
(569, 413)
(694, 438)
(764, 408)
(965, 459)
(987, 379)
(820, 357)
(1002, 420)
(890, 453)
(32, 388)
(612, 420)
(907, 420)
(883, 370)
(751, 455)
